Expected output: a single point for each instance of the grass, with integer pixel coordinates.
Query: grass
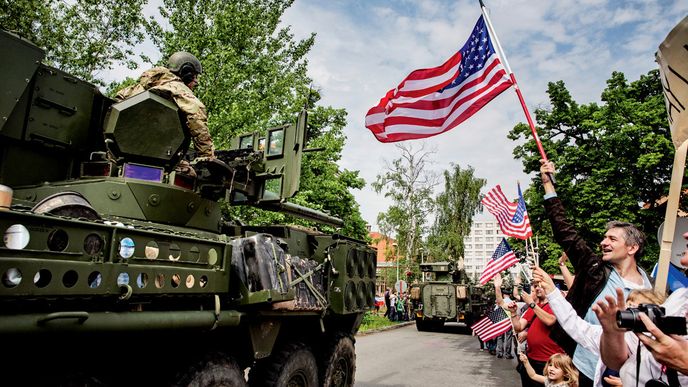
(372, 321)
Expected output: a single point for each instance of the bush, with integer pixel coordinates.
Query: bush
(372, 321)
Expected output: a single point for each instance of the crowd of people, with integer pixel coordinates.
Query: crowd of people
(397, 306)
(573, 338)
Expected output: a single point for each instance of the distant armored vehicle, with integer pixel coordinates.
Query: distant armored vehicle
(445, 295)
(118, 271)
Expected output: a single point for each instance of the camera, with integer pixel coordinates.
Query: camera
(630, 319)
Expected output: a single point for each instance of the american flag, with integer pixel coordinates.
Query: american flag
(502, 259)
(512, 217)
(432, 101)
(492, 325)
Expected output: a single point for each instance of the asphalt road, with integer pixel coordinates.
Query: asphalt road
(451, 357)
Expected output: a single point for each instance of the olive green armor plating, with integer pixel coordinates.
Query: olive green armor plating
(445, 295)
(106, 246)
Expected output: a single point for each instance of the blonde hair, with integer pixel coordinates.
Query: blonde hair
(563, 361)
(649, 296)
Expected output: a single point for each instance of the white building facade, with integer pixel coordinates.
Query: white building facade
(480, 244)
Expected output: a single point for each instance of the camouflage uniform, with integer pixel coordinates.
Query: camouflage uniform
(168, 85)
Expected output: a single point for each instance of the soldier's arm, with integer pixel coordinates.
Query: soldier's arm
(196, 118)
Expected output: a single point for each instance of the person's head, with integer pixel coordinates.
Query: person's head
(621, 241)
(185, 66)
(559, 368)
(539, 291)
(643, 296)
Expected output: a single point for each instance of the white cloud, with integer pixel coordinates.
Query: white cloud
(364, 48)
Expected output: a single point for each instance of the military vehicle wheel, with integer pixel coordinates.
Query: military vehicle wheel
(215, 369)
(338, 366)
(421, 325)
(292, 366)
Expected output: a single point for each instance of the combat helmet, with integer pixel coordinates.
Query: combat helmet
(185, 65)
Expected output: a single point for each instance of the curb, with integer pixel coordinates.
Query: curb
(387, 328)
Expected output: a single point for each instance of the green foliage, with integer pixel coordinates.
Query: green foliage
(454, 210)
(610, 159)
(372, 321)
(254, 72)
(254, 75)
(82, 37)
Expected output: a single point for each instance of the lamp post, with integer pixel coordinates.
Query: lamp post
(396, 260)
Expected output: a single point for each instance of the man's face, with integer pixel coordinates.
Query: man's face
(191, 85)
(539, 291)
(614, 247)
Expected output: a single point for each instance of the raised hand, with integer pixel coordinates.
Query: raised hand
(544, 279)
(606, 311)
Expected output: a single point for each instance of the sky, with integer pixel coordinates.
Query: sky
(363, 48)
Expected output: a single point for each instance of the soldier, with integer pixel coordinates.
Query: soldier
(176, 82)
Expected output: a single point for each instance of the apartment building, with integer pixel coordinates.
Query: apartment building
(479, 245)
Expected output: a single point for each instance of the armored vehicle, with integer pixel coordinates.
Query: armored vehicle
(117, 270)
(445, 295)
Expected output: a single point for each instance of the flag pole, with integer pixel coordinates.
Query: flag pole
(501, 54)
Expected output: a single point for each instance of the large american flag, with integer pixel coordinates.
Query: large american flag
(432, 101)
(502, 259)
(494, 324)
(512, 217)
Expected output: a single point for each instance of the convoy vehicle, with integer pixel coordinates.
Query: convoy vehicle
(117, 270)
(445, 295)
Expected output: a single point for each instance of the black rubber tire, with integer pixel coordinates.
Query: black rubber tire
(215, 369)
(338, 365)
(292, 365)
(437, 325)
(421, 325)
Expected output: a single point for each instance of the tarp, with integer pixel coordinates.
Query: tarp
(675, 280)
(672, 58)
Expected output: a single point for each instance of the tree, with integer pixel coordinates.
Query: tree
(454, 210)
(254, 72)
(82, 37)
(610, 158)
(254, 77)
(409, 184)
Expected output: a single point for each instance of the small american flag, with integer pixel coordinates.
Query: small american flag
(512, 217)
(502, 259)
(432, 101)
(494, 324)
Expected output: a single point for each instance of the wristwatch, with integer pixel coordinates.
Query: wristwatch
(531, 305)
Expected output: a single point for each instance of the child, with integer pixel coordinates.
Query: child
(559, 371)
(584, 333)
